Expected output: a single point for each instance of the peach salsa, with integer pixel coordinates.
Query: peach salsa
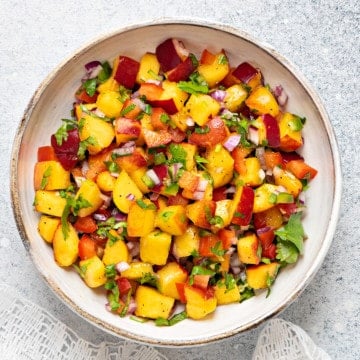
(175, 180)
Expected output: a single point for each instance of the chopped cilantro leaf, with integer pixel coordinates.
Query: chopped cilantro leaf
(62, 132)
(105, 72)
(172, 321)
(129, 108)
(90, 86)
(45, 178)
(293, 231)
(110, 271)
(217, 249)
(286, 252)
(112, 166)
(228, 281)
(196, 85)
(222, 60)
(83, 145)
(149, 278)
(178, 154)
(202, 130)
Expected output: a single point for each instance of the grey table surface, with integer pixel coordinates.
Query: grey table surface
(320, 37)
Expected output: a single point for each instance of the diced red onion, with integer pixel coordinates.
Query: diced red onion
(129, 144)
(263, 230)
(262, 174)
(302, 197)
(107, 201)
(153, 81)
(132, 306)
(130, 197)
(189, 121)
(100, 217)
(98, 113)
(218, 95)
(135, 250)
(232, 142)
(175, 169)
(85, 167)
(130, 245)
(202, 185)
(198, 195)
(231, 250)
(139, 103)
(122, 266)
(269, 172)
(253, 135)
(245, 228)
(79, 180)
(135, 94)
(93, 69)
(127, 149)
(260, 154)
(234, 260)
(119, 217)
(236, 270)
(92, 65)
(153, 176)
(280, 95)
(230, 190)
(108, 307)
(226, 113)
(114, 174)
(180, 49)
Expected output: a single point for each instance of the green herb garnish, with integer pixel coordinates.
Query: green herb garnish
(172, 321)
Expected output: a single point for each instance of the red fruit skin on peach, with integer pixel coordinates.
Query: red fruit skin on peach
(181, 71)
(244, 207)
(167, 104)
(126, 71)
(167, 55)
(272, 130)
(244, 72)
(67, 151)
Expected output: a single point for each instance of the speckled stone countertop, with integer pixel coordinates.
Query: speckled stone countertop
(320, 37)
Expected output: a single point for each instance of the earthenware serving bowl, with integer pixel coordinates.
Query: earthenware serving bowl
(52, 101)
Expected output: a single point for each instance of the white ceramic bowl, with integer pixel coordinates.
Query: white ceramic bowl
(54, 98)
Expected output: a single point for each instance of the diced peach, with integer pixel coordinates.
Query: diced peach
(50, 175)
(301, 169)
(126, 129)
(149, 68)
(156, 138)
(248, 248)
(290, 140)
(151, 91)
(170, 275)
(132, 162)
(262, 101)
(200, 211)
(200, 107)
(216, 71)
(126, 71)
(198, 302)
(258, 276)
(216, 133)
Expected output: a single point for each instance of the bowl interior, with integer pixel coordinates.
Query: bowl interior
(53, 101)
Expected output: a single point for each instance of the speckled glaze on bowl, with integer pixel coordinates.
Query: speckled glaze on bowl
(54, 98)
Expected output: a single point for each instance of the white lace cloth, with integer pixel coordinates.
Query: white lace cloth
(28, 332)
(282, 340)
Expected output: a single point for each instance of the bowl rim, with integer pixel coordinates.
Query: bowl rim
(282, 60)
